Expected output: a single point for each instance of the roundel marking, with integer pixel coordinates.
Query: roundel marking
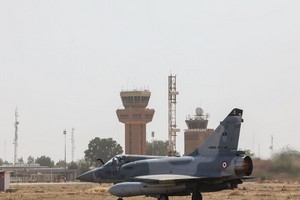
(224, 165)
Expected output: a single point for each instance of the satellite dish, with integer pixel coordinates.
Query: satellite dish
(199, 111)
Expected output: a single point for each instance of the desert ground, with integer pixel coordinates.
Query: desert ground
(85, 191)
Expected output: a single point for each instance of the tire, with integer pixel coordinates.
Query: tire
(163, 197)
(196, 196)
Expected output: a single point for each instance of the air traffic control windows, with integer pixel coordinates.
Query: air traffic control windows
(135, 99)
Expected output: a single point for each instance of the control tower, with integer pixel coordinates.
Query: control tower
(197, 131)
(135, 116)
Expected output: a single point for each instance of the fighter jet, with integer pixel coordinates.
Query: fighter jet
(216, 165)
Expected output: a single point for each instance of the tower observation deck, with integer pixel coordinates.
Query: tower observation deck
(135, 116)
(197, 131)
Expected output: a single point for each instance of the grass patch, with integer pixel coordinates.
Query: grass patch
(39, 191)
(11, 190)
(97, 190)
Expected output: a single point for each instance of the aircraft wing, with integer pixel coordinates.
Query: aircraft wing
(172, 178)
(161, 178)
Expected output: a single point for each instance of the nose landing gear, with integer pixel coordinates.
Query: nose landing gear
(196, 196)
(163, 197)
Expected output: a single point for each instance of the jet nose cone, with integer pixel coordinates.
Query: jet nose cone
(87, 176)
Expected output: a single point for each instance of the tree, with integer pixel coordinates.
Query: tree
(72, 165)
(286, 161)
(60, 163)
(30, 160)
(83, 166)
(102, 148)
(20, 160)
(157, 148)
(45, 161)
(3, 162)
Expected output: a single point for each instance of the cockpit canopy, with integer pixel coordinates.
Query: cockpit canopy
(117, 160)
(123, 159)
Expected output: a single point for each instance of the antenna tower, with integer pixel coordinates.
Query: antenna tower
(16, 137)
(172, 130)
(73, 143)
(272, 145)
(4, 149)
(65, 136)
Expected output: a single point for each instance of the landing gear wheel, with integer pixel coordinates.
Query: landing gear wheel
(163, 197)
(196, 196)
(120, 198)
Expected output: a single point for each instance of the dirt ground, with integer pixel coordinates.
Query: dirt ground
(85, 191)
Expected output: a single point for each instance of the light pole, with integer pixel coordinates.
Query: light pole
(65, 134)
(152, 134)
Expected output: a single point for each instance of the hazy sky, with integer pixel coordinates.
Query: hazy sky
(63, 64)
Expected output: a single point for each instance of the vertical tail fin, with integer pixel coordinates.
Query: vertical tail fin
(225, 138)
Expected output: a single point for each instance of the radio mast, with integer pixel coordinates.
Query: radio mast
(73, 143)
(272, 145)
(16, 137)
(172, 93)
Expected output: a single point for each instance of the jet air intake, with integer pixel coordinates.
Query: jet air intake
(243, 166)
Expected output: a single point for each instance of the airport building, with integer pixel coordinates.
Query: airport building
(36, 174)
(197, 131)
(4, 180)
(135, 115)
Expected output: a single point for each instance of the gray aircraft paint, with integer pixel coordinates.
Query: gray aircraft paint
(216, 165)
(225, 138)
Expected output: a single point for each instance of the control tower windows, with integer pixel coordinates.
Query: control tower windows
(135, 99)
(145, 99)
